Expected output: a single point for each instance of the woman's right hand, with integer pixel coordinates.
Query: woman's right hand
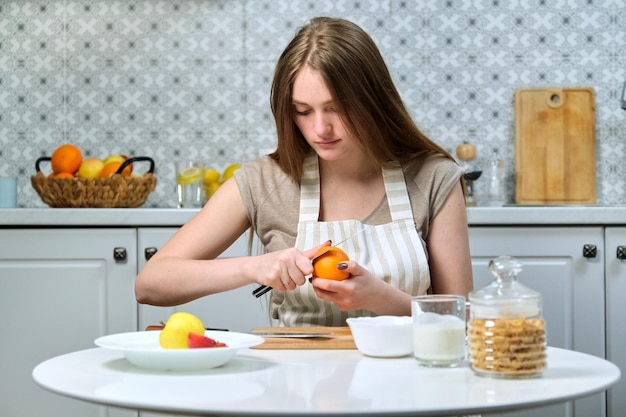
(285, 269)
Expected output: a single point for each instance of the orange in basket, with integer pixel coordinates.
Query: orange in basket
(111, 168)
(61, 175)
(66, 158)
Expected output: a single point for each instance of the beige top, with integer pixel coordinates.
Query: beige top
(272, 198)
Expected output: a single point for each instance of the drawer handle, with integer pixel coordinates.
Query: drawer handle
(149, 252)
(621, 252)
(120, 254)
(590, 251)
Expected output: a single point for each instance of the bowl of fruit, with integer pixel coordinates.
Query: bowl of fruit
(77, 182)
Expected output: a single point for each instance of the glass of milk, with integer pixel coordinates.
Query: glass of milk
(438, 329)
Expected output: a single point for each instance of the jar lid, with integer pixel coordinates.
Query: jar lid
(505, 297)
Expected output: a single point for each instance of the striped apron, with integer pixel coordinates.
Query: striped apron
(393, 252)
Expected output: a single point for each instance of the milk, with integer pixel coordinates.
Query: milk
(438, 339)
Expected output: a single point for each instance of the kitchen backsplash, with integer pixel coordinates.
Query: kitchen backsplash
(190, 79)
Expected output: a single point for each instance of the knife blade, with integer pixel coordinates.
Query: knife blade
(262, 289)
(292, 335)
(327, 248)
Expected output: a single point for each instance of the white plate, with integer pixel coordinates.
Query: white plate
(142, 349)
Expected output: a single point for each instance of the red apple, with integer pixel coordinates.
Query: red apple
(131, 165)
(201, 341)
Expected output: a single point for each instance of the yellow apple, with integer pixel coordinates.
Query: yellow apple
(113, 158)
(90, 168)
(176, 331)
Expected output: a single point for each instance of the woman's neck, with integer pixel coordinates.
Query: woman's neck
(355, 170)
(349, 191)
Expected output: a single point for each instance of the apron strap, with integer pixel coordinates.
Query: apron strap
(397, 193)
(310, 190)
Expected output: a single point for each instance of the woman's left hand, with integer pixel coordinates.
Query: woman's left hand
(359, 292)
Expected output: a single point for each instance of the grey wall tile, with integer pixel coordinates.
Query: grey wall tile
(191, 78)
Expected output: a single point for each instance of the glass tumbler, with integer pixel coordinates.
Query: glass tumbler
(438, 329)
(189, 183)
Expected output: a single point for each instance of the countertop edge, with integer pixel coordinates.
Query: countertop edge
(174, 217)
(136, 217)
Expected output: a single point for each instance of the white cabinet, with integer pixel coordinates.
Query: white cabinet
(560, 263)
(59, 290)
(616, 314)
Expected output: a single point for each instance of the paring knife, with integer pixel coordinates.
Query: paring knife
(264, 289)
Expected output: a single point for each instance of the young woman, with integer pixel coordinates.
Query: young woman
(350, 162)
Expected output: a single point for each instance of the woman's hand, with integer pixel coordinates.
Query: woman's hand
(362, 291)
(286, 269)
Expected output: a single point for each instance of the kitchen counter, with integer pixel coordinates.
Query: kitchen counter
(137, 217)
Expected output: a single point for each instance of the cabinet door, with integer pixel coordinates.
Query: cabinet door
(572, 288)
(615, 314)
(235, 310)
(60, 289)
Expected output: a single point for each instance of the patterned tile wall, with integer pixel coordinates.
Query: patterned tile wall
(190, 78)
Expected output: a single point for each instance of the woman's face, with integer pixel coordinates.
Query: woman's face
(316, 116)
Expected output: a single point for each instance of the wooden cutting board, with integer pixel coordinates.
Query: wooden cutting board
(555, 146)
(341, 338)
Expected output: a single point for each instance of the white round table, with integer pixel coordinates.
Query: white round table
(318, 383)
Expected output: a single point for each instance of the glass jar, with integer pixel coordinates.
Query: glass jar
(495, 173)
(506, 331)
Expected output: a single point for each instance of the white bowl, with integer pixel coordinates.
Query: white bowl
(383, 336)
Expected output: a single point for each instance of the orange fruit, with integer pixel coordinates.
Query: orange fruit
(326, 265)
(110, 169)
(62, 175)
(66, 158)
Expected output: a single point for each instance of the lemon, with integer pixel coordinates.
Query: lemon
(229, 171)
(176, 331)
(210, 175)
(189, 175)
(211, 188)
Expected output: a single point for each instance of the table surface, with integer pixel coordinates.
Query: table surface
(318, 383)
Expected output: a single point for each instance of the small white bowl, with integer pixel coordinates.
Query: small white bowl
(383, 336)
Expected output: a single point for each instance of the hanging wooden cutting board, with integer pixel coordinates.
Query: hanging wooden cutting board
(555, 146)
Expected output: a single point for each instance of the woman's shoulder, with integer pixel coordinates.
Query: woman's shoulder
(430, 179)
(264, 170)
(262, 177)
(272, 200)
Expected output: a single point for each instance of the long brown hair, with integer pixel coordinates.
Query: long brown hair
(363, 92)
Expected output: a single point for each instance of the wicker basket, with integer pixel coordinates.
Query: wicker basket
(116, 191)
